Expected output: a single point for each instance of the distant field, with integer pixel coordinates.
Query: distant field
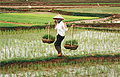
(102, 1)
(9, 25)
(76, 3)
(59, 2)
(104, 10)
(81, 1)
(37, 19)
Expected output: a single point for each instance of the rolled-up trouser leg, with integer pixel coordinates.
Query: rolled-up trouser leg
(58, 43)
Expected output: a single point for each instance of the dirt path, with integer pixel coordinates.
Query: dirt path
(45, 6)
(17, 23)
(50, 13)
(65, 59)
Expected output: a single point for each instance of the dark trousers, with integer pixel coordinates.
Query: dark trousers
(58, 43)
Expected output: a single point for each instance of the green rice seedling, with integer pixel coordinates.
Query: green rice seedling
(39, 66)
(89, 71)
(47, 66)
(117, 68)
(5, 53)
(52, 75)
(20, 65)
(51, 37)
(64, 63)
(77, 73)
(3, 71)
(40, 75)
(24, 74)
(28, 75)
(51, 65)
(35, 67)
(3, 74)
(32, 67)
(29, 55)
(17, 73)
(59, 73)
(28, 66)
(94, 72)
(25, 52)
(66, 72)
(10, 74)
(14, 69)
(74, 42)
(100, 42)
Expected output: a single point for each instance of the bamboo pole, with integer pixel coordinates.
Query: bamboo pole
(72, 33)
(48, 30)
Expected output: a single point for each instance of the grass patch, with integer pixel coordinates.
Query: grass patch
(9, 25)
(37, 19)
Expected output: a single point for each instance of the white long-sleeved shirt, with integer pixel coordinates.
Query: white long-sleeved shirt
(60, 27)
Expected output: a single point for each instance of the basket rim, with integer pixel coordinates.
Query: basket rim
(70, 45)
(47, 39)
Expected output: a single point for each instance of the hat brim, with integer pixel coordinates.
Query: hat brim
(58, 18)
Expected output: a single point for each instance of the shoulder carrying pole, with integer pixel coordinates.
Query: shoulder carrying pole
(48, 30)
(72, 33)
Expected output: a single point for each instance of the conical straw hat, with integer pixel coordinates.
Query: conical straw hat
(58, 16)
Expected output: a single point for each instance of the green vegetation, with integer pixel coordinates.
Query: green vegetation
(74, 42)
(50, 37)
(102, 10)
(22, 53)
(49, 58)
(37, 19)
(26, 67)
(28, 43)
(84, 1)
(9, 25)
(75, 13)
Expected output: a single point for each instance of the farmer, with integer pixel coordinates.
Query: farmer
(61, 28)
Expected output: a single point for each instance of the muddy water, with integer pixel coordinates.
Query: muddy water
(109, 70)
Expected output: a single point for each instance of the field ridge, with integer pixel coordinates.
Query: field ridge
(55, 59)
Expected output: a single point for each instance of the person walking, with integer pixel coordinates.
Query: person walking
(61, 28)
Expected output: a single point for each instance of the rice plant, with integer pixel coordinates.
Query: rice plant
(28, 44)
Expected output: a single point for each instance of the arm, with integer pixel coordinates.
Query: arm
(65, 27)
(55, 23)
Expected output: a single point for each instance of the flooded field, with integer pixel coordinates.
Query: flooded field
(28, 43)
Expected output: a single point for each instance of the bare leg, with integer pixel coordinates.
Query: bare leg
(57, 44)
(58, 48)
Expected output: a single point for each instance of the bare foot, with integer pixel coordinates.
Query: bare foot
(60, 55)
